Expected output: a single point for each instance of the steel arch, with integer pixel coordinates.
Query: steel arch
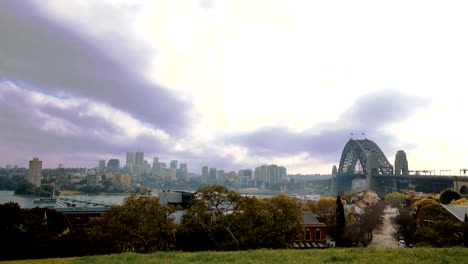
(357, 149)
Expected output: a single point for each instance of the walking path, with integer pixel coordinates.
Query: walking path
(383, 237)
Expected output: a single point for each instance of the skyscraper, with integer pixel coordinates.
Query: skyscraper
(102, 164)
(173, 164)
(35, 172)
(205, 174)
(139, 157)
(212, 177)
(183, 170)
(156, 167)
(130, 161)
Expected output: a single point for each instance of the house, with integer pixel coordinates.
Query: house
(314, 231)
(458, 211)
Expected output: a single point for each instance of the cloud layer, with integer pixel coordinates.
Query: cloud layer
(370, 114)
(52, 58)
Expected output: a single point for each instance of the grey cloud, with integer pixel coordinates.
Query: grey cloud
(369, 114)
(22, 120)
(37, 51)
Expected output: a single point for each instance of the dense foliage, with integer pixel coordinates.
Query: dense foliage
(30, 233)
(223, 220)
(448, 195)
(141, 224)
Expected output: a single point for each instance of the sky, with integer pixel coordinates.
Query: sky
(233, 84)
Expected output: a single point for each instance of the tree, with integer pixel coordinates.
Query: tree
(394, 199)
(461, 201)
(340, 220)
(220, 219)
(361, 229)
(140, 224)
(405, 226)
(209, 222)
(448, 195)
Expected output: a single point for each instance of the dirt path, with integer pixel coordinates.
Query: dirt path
(383, 238)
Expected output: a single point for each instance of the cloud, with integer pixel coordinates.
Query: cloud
(34, 123)
(370, 114)
(59, 60)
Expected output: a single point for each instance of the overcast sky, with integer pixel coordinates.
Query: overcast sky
(233, 84)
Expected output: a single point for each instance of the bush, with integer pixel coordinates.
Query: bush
(448, 195)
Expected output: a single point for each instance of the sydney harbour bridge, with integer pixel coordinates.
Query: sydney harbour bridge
(363, 165)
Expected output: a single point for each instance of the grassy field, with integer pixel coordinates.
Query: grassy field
(348, 255)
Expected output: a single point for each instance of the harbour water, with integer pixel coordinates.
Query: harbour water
(28, 201)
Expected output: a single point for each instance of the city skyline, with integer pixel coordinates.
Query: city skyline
(232, 84)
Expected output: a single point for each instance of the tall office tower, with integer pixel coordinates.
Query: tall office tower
(102, 164)
(113, 164)
(162, 165)
(35, 172)
(183, 170)
(270, 174)
(173, 164)
(156, 170)
(139, 157)
(130, 161)
(220, 177)
(212, 176)
(246, 172)
(283, 173)
(401, 163)
(205, 174)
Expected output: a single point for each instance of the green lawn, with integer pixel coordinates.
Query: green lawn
(346, 255)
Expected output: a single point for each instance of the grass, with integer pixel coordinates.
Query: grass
(339, 255)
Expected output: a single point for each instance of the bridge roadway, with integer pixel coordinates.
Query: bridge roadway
(383, 184)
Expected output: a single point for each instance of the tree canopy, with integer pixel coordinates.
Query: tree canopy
(448, 195)
(140, 224)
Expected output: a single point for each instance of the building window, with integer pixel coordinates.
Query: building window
(317, 235)
(307, 234)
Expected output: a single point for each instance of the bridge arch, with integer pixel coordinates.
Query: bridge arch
(464, 190)
(358, 149)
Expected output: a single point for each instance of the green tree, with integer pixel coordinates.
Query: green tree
(220, 219)
(140, 224)
(405, 226)
(340, 220)
(361, 230)
(394, 199)
(448, 195)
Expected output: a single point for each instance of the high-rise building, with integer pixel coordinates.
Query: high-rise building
(205, 174)
(212, 176)
(60, 166)
(270, 174)
(220, 177)
(173, 164)
(102, 164)
(139, 157)
(183, 170)
(35, 172)
(156, 170)
(113, 164)
(130, 161)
